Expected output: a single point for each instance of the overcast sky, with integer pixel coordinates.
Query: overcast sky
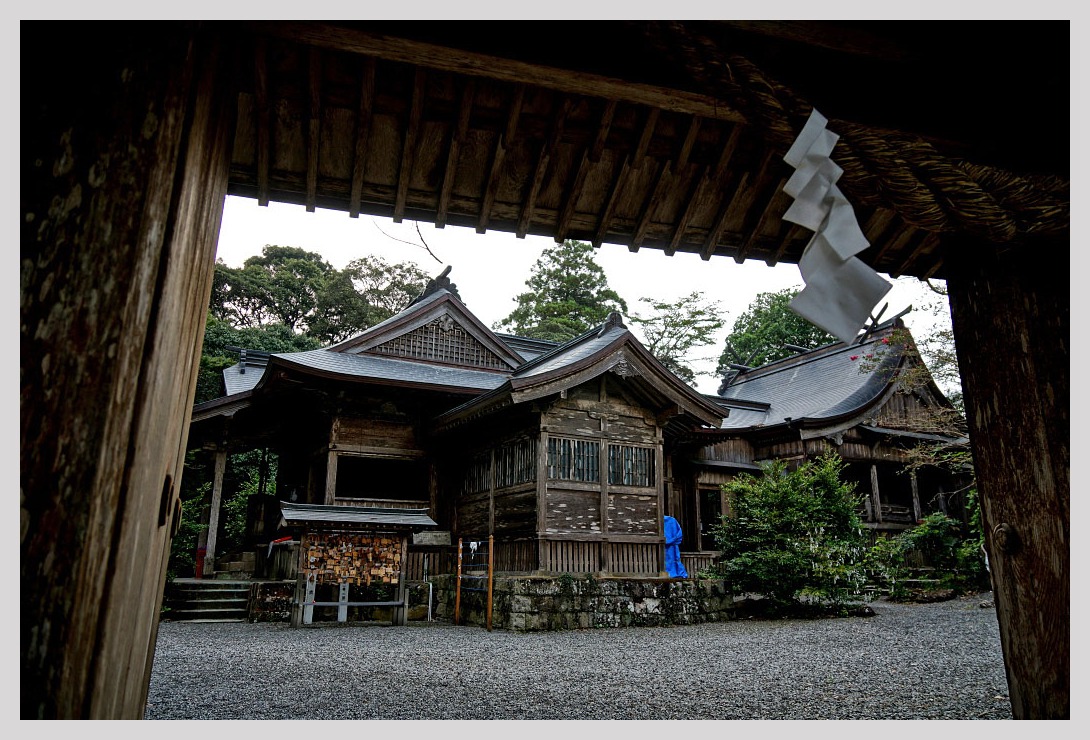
(490, 269)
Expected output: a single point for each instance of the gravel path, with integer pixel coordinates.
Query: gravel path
(909, 661)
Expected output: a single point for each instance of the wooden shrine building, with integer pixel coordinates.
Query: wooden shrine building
(567, 454)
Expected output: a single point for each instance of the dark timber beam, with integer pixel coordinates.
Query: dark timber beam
(457, 137)
(590, 157)
(261, 113)
(363, 132)
(408, 150)
(314, 126)
(448, 59)
(1012, 323)
(548, 150)
(499, 153)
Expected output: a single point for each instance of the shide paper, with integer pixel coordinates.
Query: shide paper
(841, 290)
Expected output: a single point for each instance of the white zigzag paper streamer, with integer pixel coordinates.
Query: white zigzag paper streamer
(841, 290)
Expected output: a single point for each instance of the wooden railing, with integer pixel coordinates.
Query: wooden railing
(695, 562)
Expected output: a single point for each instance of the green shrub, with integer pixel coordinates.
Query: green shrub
(795, 534)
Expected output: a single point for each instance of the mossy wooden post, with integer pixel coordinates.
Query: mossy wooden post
(126, 146)
(1011, 321)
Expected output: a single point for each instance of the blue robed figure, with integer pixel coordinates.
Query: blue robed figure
(674, 567)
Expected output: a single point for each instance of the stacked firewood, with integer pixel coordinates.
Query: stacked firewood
(359, 559)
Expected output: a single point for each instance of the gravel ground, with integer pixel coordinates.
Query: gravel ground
(909, 661)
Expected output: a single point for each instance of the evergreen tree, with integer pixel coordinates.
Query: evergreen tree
(568, 294)
(760, 333)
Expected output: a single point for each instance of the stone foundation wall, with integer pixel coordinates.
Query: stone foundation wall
(270, 601)
(529, 604)
(525, 604)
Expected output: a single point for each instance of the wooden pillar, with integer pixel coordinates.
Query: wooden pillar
(125, 150)
(214, 515)
(1011, 321)
(917, 510)
(875, 493)
(330, 497)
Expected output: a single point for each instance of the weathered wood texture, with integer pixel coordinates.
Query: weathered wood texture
(1011, 320)
(348, 432)
(125, 170)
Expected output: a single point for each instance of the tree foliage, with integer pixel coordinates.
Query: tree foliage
(568, 294)
(794, 533)
(760, 333)
(673, 329)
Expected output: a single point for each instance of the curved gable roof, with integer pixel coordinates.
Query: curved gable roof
(826, 385)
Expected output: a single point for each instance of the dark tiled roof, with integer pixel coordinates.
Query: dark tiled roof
(313, 513)
(237, 381)
(526, 347)
(570, 353)
(824, 384)
(373, 367)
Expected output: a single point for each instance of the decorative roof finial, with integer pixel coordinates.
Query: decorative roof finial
(441, 282)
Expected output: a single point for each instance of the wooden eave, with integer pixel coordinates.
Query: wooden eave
(629, 142)
(287, 367)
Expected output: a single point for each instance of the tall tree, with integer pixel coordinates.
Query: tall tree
(367, 291)
(279, 286)
(672, 330)
(568, 294)
(760, 333)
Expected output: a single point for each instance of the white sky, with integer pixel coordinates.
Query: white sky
(490, 269)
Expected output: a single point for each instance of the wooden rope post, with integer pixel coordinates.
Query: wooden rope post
(488, 620)
(458, 584)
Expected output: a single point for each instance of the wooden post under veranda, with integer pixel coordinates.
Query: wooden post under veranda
(458, 585)
(488, 619)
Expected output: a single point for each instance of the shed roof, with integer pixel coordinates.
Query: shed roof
(369, 517)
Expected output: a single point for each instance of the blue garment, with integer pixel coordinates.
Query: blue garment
(674, 567)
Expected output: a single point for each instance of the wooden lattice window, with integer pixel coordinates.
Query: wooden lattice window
(478, 477)
(573, 459)
(631, 466)
(516, 463)
(444, 341)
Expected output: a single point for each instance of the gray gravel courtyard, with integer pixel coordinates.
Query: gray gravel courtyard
(909, 661)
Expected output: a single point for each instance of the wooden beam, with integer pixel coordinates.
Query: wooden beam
(214, 506)
(928, 242)
(687, 144)
(591, 155)
(457, 136)
(773, 208)
(651, 205)
(645, 138)
(262, 114)
(314, 126)
(408, 150)
(503, 141)
(548, 149)
(459, 61)
(760, 183)
(363, 133)
(690, 209)
(726, 210)
(611, 205)
(795, 233)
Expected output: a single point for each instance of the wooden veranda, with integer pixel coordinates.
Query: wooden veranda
(656, 135)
